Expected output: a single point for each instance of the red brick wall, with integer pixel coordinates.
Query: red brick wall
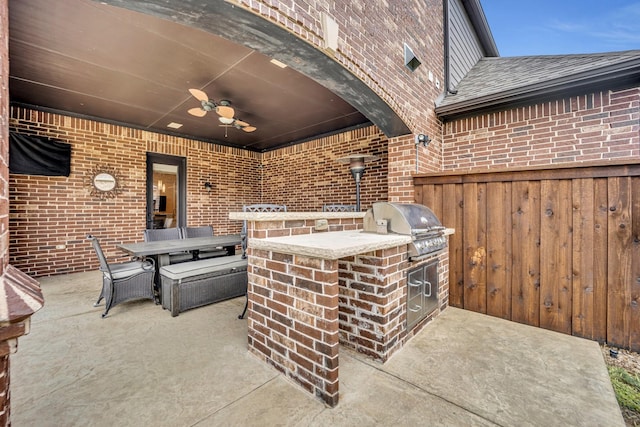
(599, 126)
(306, 176)
(373, 300)
(50, 216)
(5, 396)
(4, 134)
(370, 45)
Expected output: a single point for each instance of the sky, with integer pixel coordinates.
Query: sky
(557, 27)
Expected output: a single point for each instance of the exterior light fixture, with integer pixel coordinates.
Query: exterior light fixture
(423, 140)
(208, 186)
(356, 165)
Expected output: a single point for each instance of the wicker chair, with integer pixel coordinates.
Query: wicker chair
(123, 282)
(262, 207)
(156, 234)
(203, 231)
(339, 208)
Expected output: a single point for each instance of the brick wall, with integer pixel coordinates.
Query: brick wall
(4, 134)
(373, 296)
(306, 176)
(293, 320)
(369, 31)
(50, 216)
(370, 45)
(5, 398)
(598, 126)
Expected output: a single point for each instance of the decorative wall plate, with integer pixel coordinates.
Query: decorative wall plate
(104, 182)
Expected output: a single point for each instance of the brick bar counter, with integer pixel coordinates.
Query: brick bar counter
(317, 281)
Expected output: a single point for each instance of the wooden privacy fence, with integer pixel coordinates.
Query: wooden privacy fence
(557, 248)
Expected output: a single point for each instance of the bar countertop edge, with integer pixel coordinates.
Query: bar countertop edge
(330, 245)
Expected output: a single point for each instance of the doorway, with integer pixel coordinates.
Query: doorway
(166, 191)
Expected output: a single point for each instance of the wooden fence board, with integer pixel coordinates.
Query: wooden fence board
(474, 236)
(499, 249)
(555, 255)
(452, 217)
(634, 321)
(619, 265)
(600, 259)
(589, 258)
(525, 280)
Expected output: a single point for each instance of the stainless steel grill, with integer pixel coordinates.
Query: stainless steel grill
(417, 221)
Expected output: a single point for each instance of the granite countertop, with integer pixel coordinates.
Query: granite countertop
(330, 245)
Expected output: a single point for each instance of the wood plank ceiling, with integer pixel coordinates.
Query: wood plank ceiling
(90, 59)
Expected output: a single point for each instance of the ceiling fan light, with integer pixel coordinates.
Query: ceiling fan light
(226, 120)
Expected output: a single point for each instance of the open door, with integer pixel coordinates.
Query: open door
(166, 191)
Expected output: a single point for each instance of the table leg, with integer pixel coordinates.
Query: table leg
(161, 261)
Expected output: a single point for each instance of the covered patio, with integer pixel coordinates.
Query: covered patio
(140, 366)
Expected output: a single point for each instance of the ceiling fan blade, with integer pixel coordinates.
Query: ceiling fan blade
(241, 123)
(249, 128)
(225, 111)
(199, 95)
(198, 112)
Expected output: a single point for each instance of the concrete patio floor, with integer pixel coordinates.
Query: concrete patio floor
(141, 367)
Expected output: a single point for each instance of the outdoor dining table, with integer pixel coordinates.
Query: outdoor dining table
(162, 248)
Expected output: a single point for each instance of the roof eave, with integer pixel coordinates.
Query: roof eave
(612, 76)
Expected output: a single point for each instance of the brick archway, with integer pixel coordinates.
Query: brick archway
(242, 26)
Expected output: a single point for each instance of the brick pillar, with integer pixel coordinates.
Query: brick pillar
(293, 318)
(20, 297)
(372, 301)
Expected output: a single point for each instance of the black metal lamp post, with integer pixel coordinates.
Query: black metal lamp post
(356, 165)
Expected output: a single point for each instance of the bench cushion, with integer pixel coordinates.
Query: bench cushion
(196, 283)
(210, 267)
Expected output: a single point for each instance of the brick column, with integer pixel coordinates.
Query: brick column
(293, 318)
(20, 297)
(372, 300)
(373, 296)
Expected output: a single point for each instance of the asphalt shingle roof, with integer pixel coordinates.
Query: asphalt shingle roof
(496, 78)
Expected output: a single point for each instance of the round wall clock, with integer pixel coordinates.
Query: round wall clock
(104, 182)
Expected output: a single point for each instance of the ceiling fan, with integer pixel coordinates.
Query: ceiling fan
(223, 108)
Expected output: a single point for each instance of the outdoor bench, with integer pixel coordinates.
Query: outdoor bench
(197, 283)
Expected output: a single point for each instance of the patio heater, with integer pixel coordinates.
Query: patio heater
(356, 165)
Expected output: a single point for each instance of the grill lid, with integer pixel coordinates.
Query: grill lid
(402, 218)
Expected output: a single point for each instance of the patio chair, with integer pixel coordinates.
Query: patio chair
(157, 234)
(203, 231)
(261, 207)
(125, 281)
(338, 208)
